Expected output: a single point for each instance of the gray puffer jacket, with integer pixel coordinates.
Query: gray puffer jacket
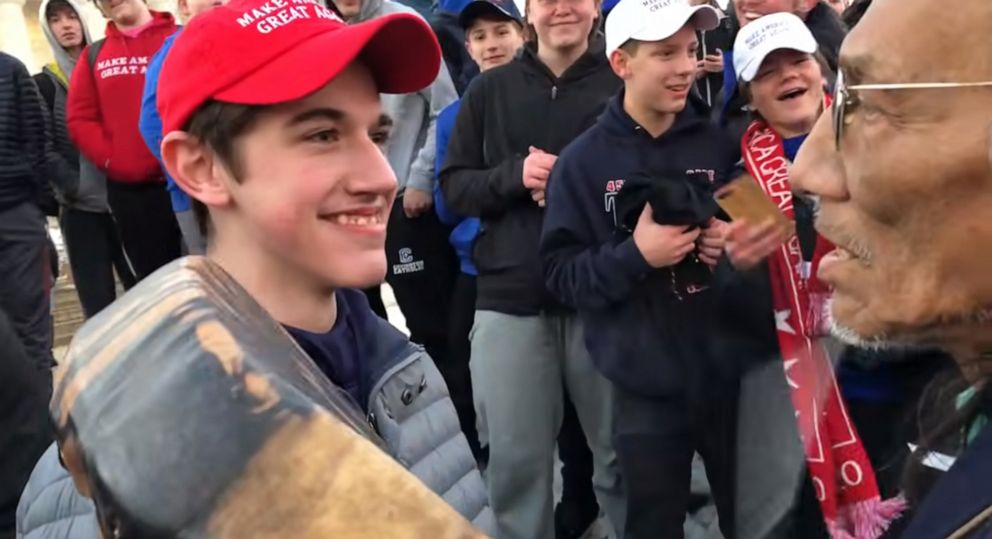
(408, 405)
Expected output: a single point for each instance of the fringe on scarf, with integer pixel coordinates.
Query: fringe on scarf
(869, 518)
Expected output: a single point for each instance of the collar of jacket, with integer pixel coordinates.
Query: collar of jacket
(618, 122)
(591, 61)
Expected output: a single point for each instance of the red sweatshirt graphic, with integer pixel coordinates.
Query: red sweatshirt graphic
(105, 101)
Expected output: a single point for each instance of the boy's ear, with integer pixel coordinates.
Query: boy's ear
(618, 62)
(183, 7)
(195, 169)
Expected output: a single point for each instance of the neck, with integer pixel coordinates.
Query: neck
(558, 60)
(290, 298)
(74, 52)
(142, 19)
(654, 122)
(795, 129)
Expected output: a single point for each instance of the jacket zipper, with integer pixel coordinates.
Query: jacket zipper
(554, 92)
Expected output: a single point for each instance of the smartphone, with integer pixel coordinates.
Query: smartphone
(744, 200)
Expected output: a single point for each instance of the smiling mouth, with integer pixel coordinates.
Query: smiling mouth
(365, 220)
(794, 93)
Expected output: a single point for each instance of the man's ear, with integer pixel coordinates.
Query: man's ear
(195, 169)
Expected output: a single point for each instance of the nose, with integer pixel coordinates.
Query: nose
(370, 174)
(687, 67)
(819, 170)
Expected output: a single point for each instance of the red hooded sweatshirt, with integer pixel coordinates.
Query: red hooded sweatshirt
(105, 101)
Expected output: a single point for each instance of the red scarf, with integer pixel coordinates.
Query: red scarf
(838, 465)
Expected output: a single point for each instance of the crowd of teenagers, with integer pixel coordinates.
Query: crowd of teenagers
(540, 191)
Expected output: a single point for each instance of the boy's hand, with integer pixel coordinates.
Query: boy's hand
(712, 241)
(538, 196)
(662, 245)
(416, 202)
(713, 63)
(537, 169)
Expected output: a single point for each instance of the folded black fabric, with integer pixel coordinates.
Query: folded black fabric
(679, 202)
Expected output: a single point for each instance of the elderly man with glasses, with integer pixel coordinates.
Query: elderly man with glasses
(902, 175)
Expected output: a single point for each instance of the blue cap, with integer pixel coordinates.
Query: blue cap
(504, 9)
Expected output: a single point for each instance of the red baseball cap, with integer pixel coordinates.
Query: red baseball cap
(264, 52)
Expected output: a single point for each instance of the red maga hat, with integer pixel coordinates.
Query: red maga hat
(263, 52)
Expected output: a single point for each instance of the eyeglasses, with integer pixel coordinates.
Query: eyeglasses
(844, 98)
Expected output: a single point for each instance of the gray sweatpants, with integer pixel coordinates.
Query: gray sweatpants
(519, 366)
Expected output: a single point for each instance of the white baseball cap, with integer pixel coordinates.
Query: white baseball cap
(766, 35)
(654, 20)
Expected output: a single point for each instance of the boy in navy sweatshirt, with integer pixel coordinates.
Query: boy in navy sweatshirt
(642, 287)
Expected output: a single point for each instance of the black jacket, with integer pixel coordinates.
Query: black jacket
(505, 111)
(27, 156)
(642, 335)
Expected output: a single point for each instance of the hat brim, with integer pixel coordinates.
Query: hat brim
(482, 8)
(399, 49)
(749, 71)
(702, 17)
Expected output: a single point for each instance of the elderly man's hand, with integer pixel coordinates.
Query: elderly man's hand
(749, 245)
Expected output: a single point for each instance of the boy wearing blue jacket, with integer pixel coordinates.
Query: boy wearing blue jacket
(150, 126)
(494, 32)
(630, 239)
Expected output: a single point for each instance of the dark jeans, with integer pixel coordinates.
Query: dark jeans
(147, 225)
(95, 251)
(456, 370)
(26, 280)
(576, 459)
(655, 440)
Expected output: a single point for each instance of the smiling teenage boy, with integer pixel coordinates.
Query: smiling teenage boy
(652, 326)
(286, 156)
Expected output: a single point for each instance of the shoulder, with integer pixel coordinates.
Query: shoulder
(50, 506)
(449, 112)
(389, 7)
(584, 150)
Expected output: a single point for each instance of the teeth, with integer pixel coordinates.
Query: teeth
(358, 220)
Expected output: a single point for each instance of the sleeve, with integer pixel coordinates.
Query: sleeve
(445, 120)
(439, 95)
(36, 127)
(84, 116)
(149, 121)
(469, 186)
(582, 272)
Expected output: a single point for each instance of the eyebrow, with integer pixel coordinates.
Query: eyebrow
(333, 115)
(863, 68)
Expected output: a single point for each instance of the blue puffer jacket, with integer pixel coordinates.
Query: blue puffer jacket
(51, 508)
(408, 403)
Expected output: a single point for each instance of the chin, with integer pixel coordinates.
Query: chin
(846, 326)
(362, 271)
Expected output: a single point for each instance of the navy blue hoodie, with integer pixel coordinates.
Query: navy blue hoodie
(640, 335)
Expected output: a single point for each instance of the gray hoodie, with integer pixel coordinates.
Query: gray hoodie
(412, 142)
(89, 193)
